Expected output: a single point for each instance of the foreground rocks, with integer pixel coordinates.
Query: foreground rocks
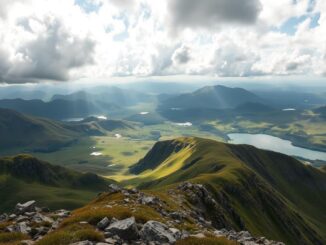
(38, 222)
(33, 221)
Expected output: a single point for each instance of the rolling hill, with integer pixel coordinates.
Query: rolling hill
(24, 178)
(21, 131)
(267, 193)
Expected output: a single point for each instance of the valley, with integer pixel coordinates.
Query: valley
(161, 148)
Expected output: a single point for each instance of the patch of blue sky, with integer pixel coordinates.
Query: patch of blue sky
(291, 25)
(88, 5)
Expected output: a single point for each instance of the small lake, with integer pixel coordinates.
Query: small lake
(272, 143)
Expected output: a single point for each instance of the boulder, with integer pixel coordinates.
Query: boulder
(125, 229)
(103, 223)
(113, 189)
(22, 227)
(82, 243)
(148, 200)
(3, 217)
(39, 218)
(25, 207)
(158, 232)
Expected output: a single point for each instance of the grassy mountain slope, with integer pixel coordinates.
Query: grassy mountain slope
(24, 177)
(264, 192)
(18, 130)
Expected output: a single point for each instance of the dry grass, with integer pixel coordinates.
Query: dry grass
(11, 237)
(71, 234)
(206, 241)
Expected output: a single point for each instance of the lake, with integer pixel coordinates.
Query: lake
(272, 143)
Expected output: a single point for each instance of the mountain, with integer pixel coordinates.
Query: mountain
(24, 177)
(264, 192)
(212, 97)
(56, 109)
(19, 130)
(110, 95)
(106, 124)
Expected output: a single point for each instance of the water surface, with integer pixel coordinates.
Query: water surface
(272, 143)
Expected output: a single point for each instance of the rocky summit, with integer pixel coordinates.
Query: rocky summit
(123, 216)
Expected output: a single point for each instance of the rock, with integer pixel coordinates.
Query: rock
(113, 189)
(12, 216)
(110, 241)
(26, 242)
(82, 243)
(103, 223)
(156, 231)
(62, 213)
(125, 229)
(148, 200)
(22, 227)
(176, 215)
(176, 233)
(39, 218)
(199, 235)
(3, 217)
(25, 207)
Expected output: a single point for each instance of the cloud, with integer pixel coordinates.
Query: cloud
(50, 56)
(212, 13)
(181, 55)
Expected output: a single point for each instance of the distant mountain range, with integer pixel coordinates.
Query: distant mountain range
(212, 97)
(112, 95)
(57, 109)
(267, 193)
(214, 102)
(23, 178)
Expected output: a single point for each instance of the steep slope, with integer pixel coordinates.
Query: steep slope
(24, 177)
(267, 193)
(18, 130)
(214, 97)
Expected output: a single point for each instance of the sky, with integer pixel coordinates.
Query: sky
(117, 40)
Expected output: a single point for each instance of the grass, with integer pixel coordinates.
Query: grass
(267, 188)
(97, 210)
(11, 237)
(206, 241)
(71, 234)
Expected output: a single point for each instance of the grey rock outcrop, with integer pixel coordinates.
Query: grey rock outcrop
(125, 229)
(29, 206)
(159, 232)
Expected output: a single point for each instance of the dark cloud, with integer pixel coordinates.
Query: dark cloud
(181, 55)
(292, 66)
(211, 13)
(50, 56)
